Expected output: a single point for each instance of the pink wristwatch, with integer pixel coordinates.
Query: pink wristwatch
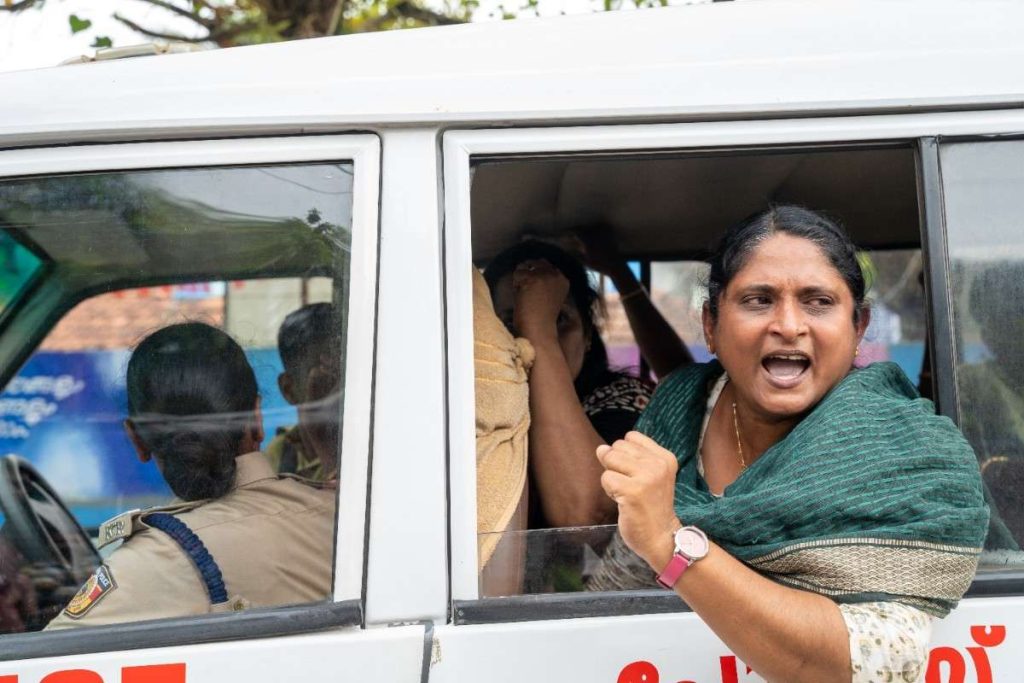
(691, 545)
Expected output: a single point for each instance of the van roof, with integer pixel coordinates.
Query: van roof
(739, 59)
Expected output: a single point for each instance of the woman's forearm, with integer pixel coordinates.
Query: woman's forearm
(782, 633)
(562, 443)
(659, 344)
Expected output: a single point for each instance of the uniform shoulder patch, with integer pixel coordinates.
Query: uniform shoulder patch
(99, 584)
(116, 528)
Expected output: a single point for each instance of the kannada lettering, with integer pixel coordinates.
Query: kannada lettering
(27, 401)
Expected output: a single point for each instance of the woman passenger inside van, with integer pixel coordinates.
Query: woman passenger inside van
(243, 537)
(830, 514)
(543, 294)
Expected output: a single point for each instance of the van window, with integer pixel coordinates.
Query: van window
(983, 183)
(665, 212)
(260, 253)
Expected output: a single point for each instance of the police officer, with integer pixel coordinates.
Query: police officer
(309, 343)
(242, 536)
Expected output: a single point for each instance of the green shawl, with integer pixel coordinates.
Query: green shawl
(870, 497)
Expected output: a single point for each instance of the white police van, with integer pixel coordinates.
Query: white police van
(371, 171)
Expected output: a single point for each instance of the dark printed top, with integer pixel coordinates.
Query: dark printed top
(613, 408)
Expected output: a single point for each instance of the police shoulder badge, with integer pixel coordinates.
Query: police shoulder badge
(117, 528)
(98, 585)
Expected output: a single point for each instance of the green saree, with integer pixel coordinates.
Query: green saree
(871, 496)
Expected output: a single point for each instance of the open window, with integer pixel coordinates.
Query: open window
(664, 210)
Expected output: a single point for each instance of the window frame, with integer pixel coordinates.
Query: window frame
(994, 583)
(346, 606)
(461, 148)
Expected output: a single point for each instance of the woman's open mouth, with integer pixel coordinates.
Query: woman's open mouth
(786, 369)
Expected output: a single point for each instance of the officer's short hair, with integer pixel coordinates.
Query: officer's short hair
(304, 333)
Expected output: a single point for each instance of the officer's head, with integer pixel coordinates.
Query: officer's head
(193, 406)
(310, 346)
(309, 342)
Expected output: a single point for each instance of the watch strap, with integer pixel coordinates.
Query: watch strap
(675, 568)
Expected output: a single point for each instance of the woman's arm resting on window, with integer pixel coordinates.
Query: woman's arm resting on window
(784, 634)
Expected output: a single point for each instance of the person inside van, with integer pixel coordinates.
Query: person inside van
(309, 344)
(543, 293)
(241, 536)
(501, 364)
(817, 517)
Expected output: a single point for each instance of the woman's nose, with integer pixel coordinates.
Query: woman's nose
(789, 322)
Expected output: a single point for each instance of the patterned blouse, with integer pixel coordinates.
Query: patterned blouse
(613, 408)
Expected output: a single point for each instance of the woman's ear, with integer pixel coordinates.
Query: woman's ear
(708, 322)
(140, 448)
(863, 320)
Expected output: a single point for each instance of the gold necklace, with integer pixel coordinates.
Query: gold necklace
(739, 444)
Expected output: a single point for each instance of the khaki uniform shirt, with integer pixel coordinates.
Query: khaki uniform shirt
(501, 365)
(289, 442)
(272, 538)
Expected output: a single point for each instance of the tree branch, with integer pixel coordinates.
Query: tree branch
(407, 9)
(205, 23)
(334, 23)
(156, 34)
(17, 6)
(414, 11)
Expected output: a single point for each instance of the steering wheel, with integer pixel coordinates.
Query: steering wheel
(39, 524)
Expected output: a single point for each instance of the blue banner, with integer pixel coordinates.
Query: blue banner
(64, 413)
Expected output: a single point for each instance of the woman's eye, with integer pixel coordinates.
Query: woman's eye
(820, 302)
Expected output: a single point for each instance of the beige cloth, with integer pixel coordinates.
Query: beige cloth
(272, 538)
(502, 422)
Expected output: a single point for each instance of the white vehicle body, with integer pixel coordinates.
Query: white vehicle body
(411, 109)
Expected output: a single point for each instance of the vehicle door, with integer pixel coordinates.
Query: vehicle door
(882, 177)
(103, 245)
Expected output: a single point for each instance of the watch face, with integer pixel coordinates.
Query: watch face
(691, 542)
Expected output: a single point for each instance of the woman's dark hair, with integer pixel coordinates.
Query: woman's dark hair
(740, 241)
(594, 372)
(191, 399)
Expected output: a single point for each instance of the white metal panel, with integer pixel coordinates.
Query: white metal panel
(680, 647)
(364, 152)
(388, 655)
(461, 374)
(460, 145)
(408, 557)
(734, 133)
(710, 61)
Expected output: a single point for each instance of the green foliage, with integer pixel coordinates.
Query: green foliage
(246, 22)
(77, 24)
